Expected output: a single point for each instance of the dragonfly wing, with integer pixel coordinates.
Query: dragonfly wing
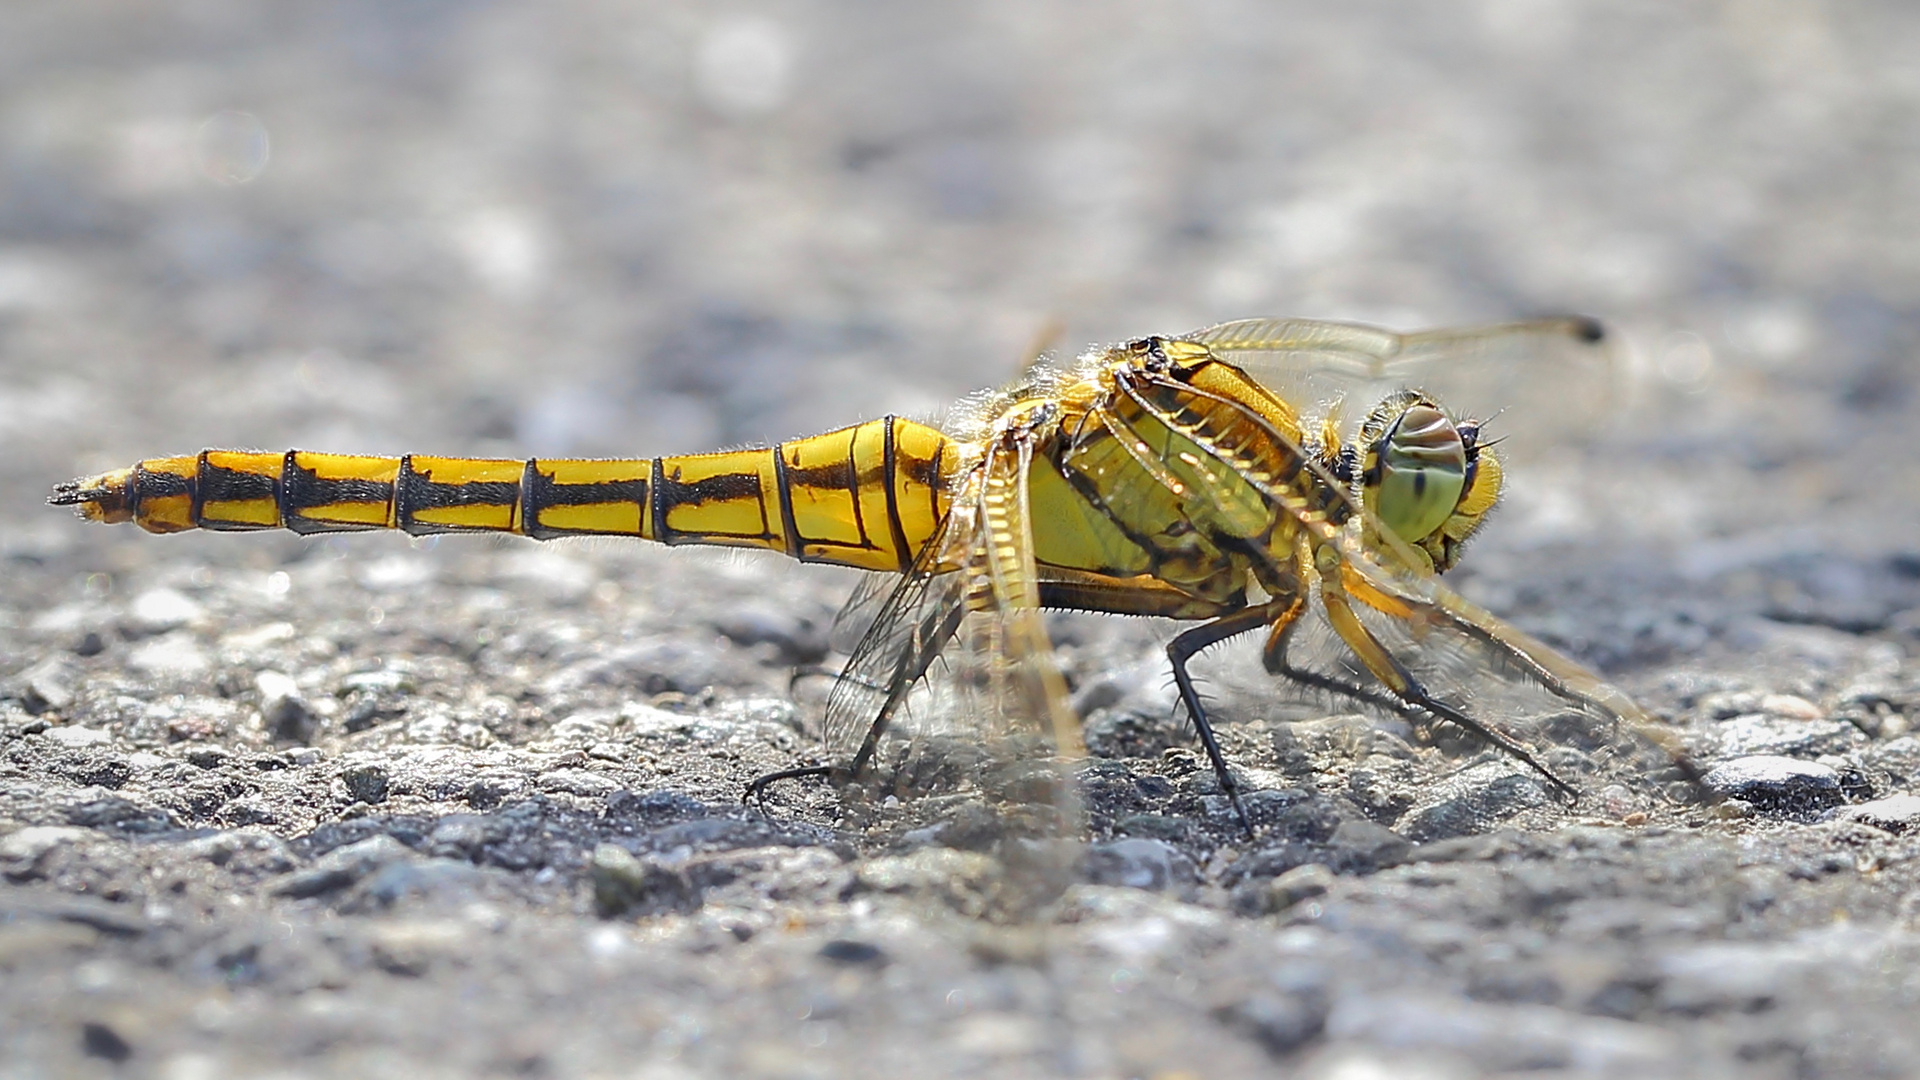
(1034, 737)
(1365, 350)
(908, 627)
(1481, 368)
(862, 609)
(1511, 682)
(1465, 657)
(1032, 687)
(953, 686)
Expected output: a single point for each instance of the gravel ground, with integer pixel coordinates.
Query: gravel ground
(364, 806)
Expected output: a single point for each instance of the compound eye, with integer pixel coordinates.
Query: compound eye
(1423, 470)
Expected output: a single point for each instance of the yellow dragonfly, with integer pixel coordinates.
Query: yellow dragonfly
(1167, 476)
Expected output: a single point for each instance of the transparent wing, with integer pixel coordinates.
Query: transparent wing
(1509, 680)
(863, 607)
(952, 692)
(908, 627)
(1371, 352)
(1556, 376)
(1580, 729)
(1466, 658)
(979, 573)
(1030, 688)
(1034, 740)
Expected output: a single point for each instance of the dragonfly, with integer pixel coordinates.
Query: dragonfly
(1167, 476)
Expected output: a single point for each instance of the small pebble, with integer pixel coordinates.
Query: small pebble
(1472, 800)
(1759, 734)
(47, 685)
(340, 868)
(1791, 706)
(283, 710)
(158, 610)
(99, 1040)
(1280, 1022)
(1778, 786)
(1140, 863)
(176, 654)
(1376, 846)
(26, 847)
(845, 951)
(578, 782)
(366, 783)
(623, 884)
(77, 736)
(1895, 813)
(1298, 884)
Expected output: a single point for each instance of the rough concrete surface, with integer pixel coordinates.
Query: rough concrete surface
(363, 806)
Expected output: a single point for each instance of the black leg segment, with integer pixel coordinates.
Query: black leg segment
(1184, 648)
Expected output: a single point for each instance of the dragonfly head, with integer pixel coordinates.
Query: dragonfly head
(1426, 477)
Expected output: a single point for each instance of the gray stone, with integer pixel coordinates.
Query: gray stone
(1780, 786)
(46, 686)
(445, 880)
(23, 849)
(625, 884)
(77, 736)
(367, 783)
(1472, 801)
(285, 714)
(578, 782)
(157, 611)
(854, 953)
(1762, 734)
(1895, 813)
(121, 813)
(798, 638)
(383, 681)
(340, 868)
(1363, 843)
(1140, 863)
(1282, 1023)
(1153, 826)
(1298, 884)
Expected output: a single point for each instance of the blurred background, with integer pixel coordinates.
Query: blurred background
(597, 228)
(635, 227)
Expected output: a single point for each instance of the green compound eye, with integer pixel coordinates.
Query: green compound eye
(1423, 469)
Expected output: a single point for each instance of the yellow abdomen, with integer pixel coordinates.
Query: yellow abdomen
(868, 496)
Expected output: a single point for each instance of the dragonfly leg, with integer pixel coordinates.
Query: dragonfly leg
(1191, 643)
(756, 791)
(1402, 683)
(1274, 658)
(802, 672)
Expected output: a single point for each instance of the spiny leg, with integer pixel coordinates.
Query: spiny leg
(909, 667)
(1273, 658)
(1191, 643)
(756, 791)
(1391, 672)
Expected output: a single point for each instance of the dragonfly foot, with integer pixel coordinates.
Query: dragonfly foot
(756, 791)
(1239, 811)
